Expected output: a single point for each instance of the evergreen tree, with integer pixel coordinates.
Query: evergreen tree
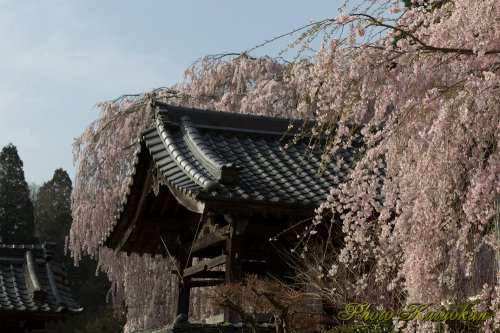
(52, 223)
(16, 208)
(53, 209)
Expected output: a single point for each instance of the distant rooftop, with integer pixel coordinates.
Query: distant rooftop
(33, 288)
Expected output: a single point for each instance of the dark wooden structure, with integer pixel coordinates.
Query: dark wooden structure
(33, 288)
(218, 186)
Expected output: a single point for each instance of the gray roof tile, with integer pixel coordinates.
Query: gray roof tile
(222, 156)
(189, 146)
(17, 289)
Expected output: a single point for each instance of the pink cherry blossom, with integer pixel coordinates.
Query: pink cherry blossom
(417, 214)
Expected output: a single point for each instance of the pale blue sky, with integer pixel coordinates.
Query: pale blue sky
(60, 57)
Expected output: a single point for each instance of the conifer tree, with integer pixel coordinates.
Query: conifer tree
(53, 209)
(52, 223)
(16, 208)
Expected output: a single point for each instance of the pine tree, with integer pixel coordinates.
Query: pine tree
(16, 208)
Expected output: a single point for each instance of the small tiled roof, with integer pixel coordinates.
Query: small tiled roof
(213, 155)
(225, 159)
(31, 283)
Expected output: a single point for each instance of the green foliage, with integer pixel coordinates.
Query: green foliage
(16, 208)
(53, 221)
(53, 209)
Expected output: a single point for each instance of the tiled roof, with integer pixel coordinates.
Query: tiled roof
(223, 158)
(213, 155)
(31, 282)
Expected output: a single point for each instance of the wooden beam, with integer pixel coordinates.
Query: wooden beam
(206, 274)
(250, 209)
(204, 283)
(207, 241)
(211, 240)
(205, 265)
(183, 290)
(234, 247)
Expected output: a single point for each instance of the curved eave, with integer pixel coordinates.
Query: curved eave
(127, 223)
(187, 198)
(61, 310)
(123, 221)
(45, 313)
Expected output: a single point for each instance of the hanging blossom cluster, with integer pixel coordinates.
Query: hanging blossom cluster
(418, 215)
(104, 154)
(416, 220)
(243, 84)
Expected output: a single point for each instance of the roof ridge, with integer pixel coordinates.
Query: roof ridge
(237, 114)
(226, 173)
(192, 171)
(233, 121)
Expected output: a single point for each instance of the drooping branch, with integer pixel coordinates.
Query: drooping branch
(423, 45)
(428, 169)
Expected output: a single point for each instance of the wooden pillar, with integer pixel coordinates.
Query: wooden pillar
(233, 263)
(183, 289)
